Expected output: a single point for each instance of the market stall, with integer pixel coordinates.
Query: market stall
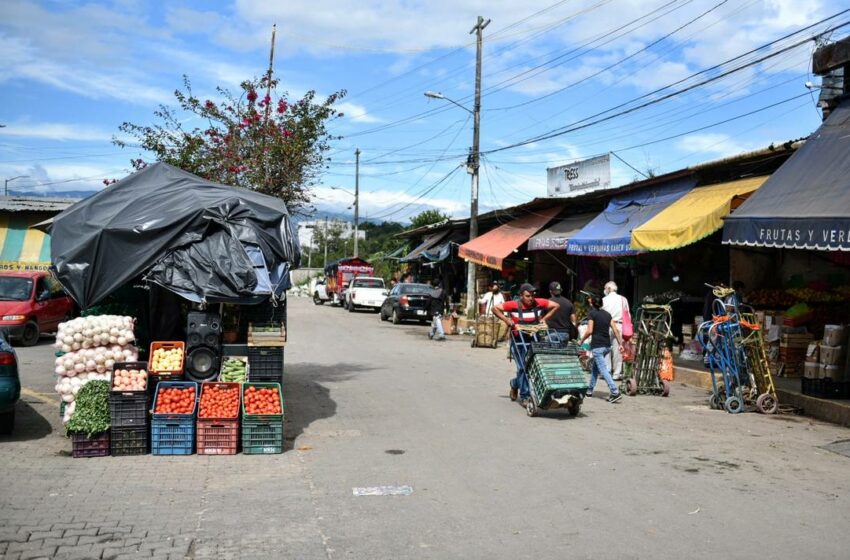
(196, 245)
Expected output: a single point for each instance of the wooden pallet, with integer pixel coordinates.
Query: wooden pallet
(266, 338)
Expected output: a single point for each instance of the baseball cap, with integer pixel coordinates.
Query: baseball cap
(554, 287)
(526, 288)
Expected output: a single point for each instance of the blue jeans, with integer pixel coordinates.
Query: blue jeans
(600, 365)
(520, 351)
(561, 336)
(437, 327)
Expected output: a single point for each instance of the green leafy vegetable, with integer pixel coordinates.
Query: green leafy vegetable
(91, 415)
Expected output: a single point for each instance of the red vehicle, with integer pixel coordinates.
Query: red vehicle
(32, 303)
(339, 273)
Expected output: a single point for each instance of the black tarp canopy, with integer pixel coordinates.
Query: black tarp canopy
(805, 204)
(202, 240)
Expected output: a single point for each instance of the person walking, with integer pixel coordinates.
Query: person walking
(600, 328)
(527, 311)
(437, 305)
(492, 298)
(615, 305)
(563, 323)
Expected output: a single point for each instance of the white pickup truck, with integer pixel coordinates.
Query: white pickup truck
(365, 292)
(319, 291)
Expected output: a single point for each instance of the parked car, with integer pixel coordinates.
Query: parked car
(32, 303)
(10, 383)
(365, 291)
(407, 301)
(319, 290)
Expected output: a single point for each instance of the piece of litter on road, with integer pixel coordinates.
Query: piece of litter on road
(383, 491)
(693, 512)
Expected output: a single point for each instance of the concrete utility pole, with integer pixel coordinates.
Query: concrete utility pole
(471, 288)
(325, 237)
(356, 199)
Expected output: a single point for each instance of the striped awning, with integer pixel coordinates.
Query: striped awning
(22, 248)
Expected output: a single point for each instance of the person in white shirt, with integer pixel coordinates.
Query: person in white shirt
(492, 298)
(614, 304)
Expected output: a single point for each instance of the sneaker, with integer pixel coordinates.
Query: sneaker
(588, 395)
(431, 336)
(615, 398)
(617, 378)
(442, 338)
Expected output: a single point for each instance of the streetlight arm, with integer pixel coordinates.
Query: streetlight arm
(437, 95)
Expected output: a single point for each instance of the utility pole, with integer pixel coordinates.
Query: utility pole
(310, 254)
(325, 237)
(471, 288)
(356, 198)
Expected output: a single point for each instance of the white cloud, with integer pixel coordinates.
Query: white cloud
(356, 113)
(56, 131)
(718, 144)
(383, 201)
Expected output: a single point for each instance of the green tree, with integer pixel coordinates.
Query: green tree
(428, 217)
(258, 139)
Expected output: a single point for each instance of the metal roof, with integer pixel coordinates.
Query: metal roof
(34, 204)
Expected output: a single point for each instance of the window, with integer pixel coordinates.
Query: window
(41, 289)
(13, 288)
(368, 283)
(56, 289)
(416, 288)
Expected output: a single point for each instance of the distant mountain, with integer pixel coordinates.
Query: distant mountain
(54, 194)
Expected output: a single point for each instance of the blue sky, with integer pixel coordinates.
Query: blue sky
(72, 72)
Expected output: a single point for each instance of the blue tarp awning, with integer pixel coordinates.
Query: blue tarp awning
(806, 203)
(610, 233)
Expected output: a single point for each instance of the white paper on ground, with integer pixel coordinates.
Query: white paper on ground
(383, 491)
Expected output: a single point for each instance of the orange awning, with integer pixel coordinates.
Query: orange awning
(491, 248)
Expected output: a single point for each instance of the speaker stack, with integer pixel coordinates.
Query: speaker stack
(203, 346)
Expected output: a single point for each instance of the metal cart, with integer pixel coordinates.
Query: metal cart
(643, 375)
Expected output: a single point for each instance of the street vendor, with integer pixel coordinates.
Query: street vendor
(492, 298)
(528, 311)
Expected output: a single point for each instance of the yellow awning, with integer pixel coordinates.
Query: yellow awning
(695, 216)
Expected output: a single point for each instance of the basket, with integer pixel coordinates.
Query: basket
(262, 417)
(209, 385)
(266, 364)
(217, 437)
(167, 345)
(95, 446)
(172, 437)
(184, 384)
(262, 437)
(129, 441)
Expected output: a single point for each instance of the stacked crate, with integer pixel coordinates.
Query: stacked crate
(554, 368)
(792, 353)
(262, 433)
(173, 434)
(266, 342)
(128, 412)
(219, 436)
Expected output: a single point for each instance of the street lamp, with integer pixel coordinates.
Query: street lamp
(356, 195)
(6, 185)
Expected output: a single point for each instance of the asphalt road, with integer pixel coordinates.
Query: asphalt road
(373, 404)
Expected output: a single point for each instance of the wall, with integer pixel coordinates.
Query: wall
(302, 275)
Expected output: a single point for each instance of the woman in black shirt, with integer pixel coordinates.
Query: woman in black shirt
(600, 345)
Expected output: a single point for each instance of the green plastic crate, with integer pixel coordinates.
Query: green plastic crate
(261, 437)
(549, 378)
(263, 417)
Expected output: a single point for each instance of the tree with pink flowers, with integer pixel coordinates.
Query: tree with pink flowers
(258, 140)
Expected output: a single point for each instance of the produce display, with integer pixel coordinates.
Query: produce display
(91, 413)
(89, 348)
(129, 380)
(234, 370)
(219, 401)
(175, 400)
(262, 400)
(664, 297)
(167, 359)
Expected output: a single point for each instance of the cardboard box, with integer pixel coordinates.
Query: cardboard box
(834, 335)
(832, 355)
(836, 373)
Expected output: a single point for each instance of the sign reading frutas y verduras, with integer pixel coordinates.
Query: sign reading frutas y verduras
(589, 174)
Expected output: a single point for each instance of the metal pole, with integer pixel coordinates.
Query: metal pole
(471, 289)
(325, 237)
(310, 254)
(356, 198)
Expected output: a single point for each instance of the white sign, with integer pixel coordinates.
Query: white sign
(590, 174)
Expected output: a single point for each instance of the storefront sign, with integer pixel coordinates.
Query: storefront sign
(822, 234)
(590, 174)
(24, 266)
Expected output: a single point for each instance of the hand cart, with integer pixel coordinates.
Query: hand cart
(643, 374)
(555, 376)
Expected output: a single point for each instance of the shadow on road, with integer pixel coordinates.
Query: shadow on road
(29, 424)
(307, 400)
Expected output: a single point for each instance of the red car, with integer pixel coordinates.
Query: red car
(32, 303)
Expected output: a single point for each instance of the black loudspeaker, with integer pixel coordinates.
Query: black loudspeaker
(203, 346)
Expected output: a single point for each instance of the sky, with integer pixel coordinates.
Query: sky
(661, 83)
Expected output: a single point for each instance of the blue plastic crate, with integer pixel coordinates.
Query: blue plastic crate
(173, 437)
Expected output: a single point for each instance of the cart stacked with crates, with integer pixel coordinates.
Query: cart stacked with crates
(643, 375)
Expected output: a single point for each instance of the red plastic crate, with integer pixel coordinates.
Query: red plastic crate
(95, 446)
(217, 437)
(208, 385)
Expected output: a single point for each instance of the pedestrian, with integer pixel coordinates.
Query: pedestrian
(527, 311)
(563, 322)
(438, 304)
(512, 287)
(600, 327)
(408, 278)
(492, 298)
(616, 306)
